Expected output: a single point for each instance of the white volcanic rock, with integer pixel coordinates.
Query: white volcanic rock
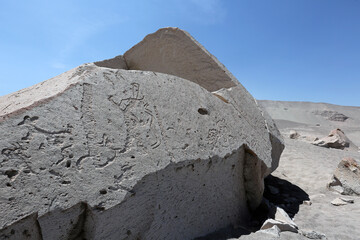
(283, 226)
(176, 52)
(338, 202)
(104, 153)
(346, 178)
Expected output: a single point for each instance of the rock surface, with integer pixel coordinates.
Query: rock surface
(176, 52)
(101, 152)
(346, 178)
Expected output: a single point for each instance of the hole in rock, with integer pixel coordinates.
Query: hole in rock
(68, 163)
(11, 173)
(103, 191)
(203, 111)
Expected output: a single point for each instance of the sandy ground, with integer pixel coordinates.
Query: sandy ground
(305, 170)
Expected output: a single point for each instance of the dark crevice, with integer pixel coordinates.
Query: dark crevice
(78, 231)
(203, 111)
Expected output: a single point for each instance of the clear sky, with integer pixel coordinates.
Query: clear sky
(292, 50)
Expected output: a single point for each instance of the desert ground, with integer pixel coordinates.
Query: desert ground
(305, 169)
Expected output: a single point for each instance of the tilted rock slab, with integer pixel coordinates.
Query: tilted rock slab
(335, 139)
(105, 153)
(346, 178)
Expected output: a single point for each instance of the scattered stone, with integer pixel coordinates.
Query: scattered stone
(338, 202)
(104, 153)
(294, 134)
(274, 230)
(348, 200)
(335, 139)
(309, 203)
(282, 216)
(269, 223)
(312, 234)
(346, 178)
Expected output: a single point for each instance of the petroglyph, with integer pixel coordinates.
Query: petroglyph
(122, 100)
(138, 147)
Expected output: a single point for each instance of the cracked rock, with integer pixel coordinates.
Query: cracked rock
(104, 151)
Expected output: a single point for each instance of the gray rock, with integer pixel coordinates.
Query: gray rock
(282, 216)
(348, 200)
(104, 153)
(283, 226)
(312, 234)
(346, 178)
(294, 135)
(176, 52)
(274, 230)
(338, 202)
(117, 62)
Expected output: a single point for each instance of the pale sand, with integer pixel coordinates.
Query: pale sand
(310, 168)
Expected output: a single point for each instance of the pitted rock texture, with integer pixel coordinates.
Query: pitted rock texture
(104, 153)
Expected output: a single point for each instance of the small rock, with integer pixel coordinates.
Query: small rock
(307, 203)
(348, 200)
(274, 230)
(282, 216)
(312, 234)
(281, 225)
(294, 134)
(338, 202)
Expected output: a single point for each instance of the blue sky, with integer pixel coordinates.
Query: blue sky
(292, 50)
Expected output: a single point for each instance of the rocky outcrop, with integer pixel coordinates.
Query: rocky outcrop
(346, 178)
(101, 152)
(332, 115)
(335, 139)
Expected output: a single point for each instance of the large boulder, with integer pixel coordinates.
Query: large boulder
(105, 153)
(335, 139)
